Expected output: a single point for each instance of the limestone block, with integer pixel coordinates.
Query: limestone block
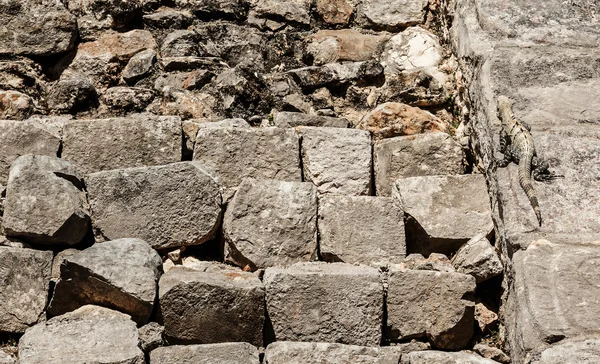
(271, 223)
(289, 352)
(167, 206)
(581, 350)
(337, 161)
(24, 277)
(336, 74)
(139, 66)
(45, 202)
(91, 334)
(199, 307)
(284, 119)
(121, 274)
(225, 353)
(329, 302)
(441, 357)
(293, 11)
(377, 233)
(478, 258)
(391, 14)
(436, 305)
(328, 46)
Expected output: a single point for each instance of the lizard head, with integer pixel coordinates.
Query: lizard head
(504, 108)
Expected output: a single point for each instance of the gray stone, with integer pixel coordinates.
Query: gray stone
(71, 94)
(24, 137)
(193, 80)
(6, 357)
(191, 127)
(134, 141)
(391, 14)
(225, 353)
(377, 233)
(235, 8)
(322, 306)
(478, 258)
(337, 161)
(180, 43)
(415, 155)
(168, 19)
(91, 334)
(121, 274)
(292, 11)
(97, 16)
(45, 202)
(211, 307)
(139, 66)
(435, 262)
(36, 28)
(430, 304)
(25, 278)
(328, 46)
(58, 259)
(444, 211)
(441, 357)
(191, 63)
(282, 352)
(237, 153)
(581, 350)
(151, 336)
(167, 206)
(285, 119)
(15, 105)
(336, 74)
(335, 12)
(123, 99)
(270, 223)
(490, 352)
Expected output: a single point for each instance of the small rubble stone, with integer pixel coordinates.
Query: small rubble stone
(328, 46)
(492, 353)
(282, 352)
(415, 155)
(45, 202)
(91, 334)
(121, 274)
(327, 296)
(139, 66)
(97, 16)
(15, 105)
(180, 43)
(337, 161)
(270, 223)
(167, 206)
(478, 258)
(71, 94)
(133, 141)
(121, 45)
(444, 211)
(224, 353)
(7, 357)
(391, 14)
(377, 234)
(228, 8)
(151, 336)
(430, 304)
(191, 63)
(168, 19)
(285, 119)
(335, 74)
(293, 11)
(442, 357)
(238, 153)
(58, 259)
(24, 278)
(193, 80)
(435, 262)
(210, 307)
(187, 105)
(487, 320)
(127, 99)
(417, 88)
(334, 12)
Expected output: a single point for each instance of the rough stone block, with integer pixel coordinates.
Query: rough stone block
(284, 119)
(134, 141)
(45, 202)
(377, 233)
(337, 161)
(441, 357)
(478, 258)
(167, 206)
(326, 302)
(270, 223)
(225, 353)
(236, 153)
(445, 211)
(151, 336)
(581, 350)
(430, 304)
(415, 155)
(24, 277)
(293, 11)
(328, 46)
(91, 334)
(121, 274)
(199, 307)
(289, 352)
(15, 105)
(336, 12)
(391, 14)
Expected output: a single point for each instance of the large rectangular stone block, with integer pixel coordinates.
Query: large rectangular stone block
(289, 352)
(225, 353)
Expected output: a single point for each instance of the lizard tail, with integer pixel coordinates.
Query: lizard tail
(525, 181)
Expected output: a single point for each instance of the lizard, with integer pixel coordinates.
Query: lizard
(516, 144)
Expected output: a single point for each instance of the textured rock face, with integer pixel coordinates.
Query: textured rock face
(394, 119)
(440, 357)
(226, 353)
(377, 233)
(270, 223)
(199, 307)
(430, 304)
(415, 155)
(294, 11)
(571, 351)
(15, 105)
(335, 12)
(478, 258)
(89, 334)
(121, 274)
(134, 141)
(45, 202)
(336, 303)
(327, 46)
(95, 16)
(293, 119)
(282, 352)
(391, 14)
(151, 336)
(25, 276)
(237, 153)
(337, 161)
(166, 206)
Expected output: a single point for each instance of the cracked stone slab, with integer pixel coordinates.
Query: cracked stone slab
(441, 357)
(581, 350)
(224, 353)
(289, 352)
(391, 14)
(284, 119)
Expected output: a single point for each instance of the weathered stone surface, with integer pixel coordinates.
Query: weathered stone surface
(430, 304)
(487, 319)
(329, 302)
(71, 94)
(91, 334)
(490, 352)
(166, 18)
(6, 355)
(225, 353)
(445, 211)
(328, 46)
(286, 352)
(335, 12)
(391, 14)
(237, 153)
(441, 357)
(188, 105)
(336, 74)
(193, 80)
(210, 307)
(134, 141)
(37, 28)
(15, 105)
(293, 11)
(180, 43)
(167, 206)
(284, 119)
(96, 16)
(122, 100)
(270, 223)
(121, 274)
(139, 66)
(582, 350)
(377, 233)
(151, 336)
(417, 88)
(435, 262)
(45, 202)
(337, 160)
(478, 258)
(235, 8)
(24, 277)
(415, 155)
(394, 119)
